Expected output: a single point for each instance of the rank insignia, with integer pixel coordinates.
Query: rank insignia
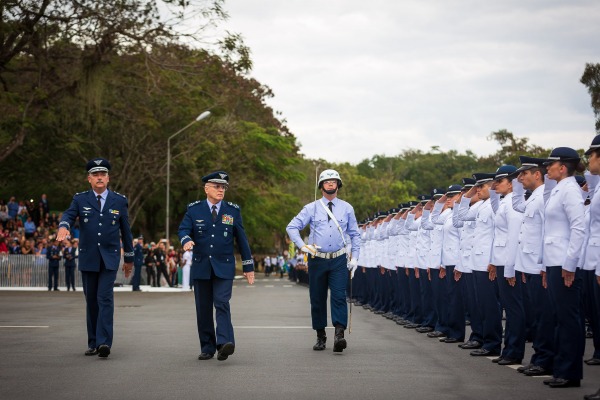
(227, 219)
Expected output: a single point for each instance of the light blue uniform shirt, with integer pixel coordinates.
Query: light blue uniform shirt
(324, 233)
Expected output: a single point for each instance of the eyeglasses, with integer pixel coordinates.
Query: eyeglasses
(222, 187)
(331, 181)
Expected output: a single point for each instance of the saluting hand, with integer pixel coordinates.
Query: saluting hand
(249, 277)
(127, 268)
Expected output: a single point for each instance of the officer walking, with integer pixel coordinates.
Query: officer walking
(138, 261)
(330, 219)
(104, 224)
(209, 227)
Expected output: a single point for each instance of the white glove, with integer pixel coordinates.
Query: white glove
(310, 248)
(352, 266)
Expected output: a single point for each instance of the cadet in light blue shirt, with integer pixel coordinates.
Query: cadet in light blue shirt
(328, 259)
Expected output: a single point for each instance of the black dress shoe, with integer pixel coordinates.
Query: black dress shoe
(450, 340)
(536, 370)
(320, 345)
(593, 361)
(91, 351)
(205, 356)
(412, 326)
(595, 396)
(358, 303)
(378, 312)
(522, 368)
(484, 353)
(497, 360)
(339, 343)
(402, 322)
(470, 345)
(509, 361)
(103, 351)
(564, 383)
(225, 351)
(424, 329)
(436, 334)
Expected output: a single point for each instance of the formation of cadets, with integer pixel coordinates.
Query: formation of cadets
(524, 240)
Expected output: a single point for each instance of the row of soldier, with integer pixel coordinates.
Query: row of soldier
(524, 240)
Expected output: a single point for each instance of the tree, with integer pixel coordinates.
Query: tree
(591, 79)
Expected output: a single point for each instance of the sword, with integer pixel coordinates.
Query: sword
(350, 316)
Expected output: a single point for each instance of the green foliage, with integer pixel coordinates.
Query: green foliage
(591, 79)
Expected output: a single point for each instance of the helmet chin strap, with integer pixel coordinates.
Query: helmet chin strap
(330, 192)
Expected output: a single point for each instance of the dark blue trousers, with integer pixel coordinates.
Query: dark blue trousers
(570, 328)
(404, 289)
(429, 315)
(208, 293)
(543, 322)
(52, 277)
(440, 300)
(371, 275)
(467, 284)
(511, 298)
(489, 309)
(137, 275)
(328, 274)
(70, 277)
(591, 301)
(100, 305)
(455, 315)
(415, 315)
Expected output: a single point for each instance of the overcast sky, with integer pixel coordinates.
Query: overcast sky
(355, 78)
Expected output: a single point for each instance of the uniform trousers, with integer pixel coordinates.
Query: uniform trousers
(52, 277)
(467, 285)
(404, 289)
(489, 310)
(570, 326)
(591, 300)
(70, 277)
(455, 310)
(100, 305)
(511, 298)
(328, 274)
(358, 285)
(543, 322)
(377, 295)
(415, 315)
(214, 292)
(439, 300)
(429, 314)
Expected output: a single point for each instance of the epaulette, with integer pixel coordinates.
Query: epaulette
(80, 193)
(122, 195)
(194, 203)
(233, 205)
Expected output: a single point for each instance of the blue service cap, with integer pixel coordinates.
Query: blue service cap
(483, 177)
(530, 162)
(505, 171)
(97, 165)
(393, 211)
(566, 154)
(217, 177)
(468, 183)
(436, 193)
(413, 203)
(423, 198)
(594, 146)
(453, 189)
(580, 180)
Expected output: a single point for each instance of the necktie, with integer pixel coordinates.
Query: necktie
(330, 204)
(99, 202)
(214, 213)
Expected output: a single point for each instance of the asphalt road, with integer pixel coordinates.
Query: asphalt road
(154, 355)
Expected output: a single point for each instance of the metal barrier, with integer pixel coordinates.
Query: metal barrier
(19, 270)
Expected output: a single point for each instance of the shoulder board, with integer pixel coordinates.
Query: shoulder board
(194, 203)
(233, 204)
(80, 193)
(122, 195)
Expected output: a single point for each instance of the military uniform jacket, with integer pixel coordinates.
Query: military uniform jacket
(592, 252)
(70, 254)
(531, 234)
(213, 241)
(138, 255)
(53, 256)
(101, 231)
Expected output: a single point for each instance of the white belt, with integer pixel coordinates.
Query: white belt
(330, 255)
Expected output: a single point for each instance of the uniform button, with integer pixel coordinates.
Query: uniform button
(209, 256)
(98, 244)
(99, 234)
(211, 245)
(100, 214)
(100, 224)
(214, 225)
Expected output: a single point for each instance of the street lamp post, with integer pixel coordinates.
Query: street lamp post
(200, 117)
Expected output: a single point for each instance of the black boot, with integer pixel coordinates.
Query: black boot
(321, 339)
(339, 343)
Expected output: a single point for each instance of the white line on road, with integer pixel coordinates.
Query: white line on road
(24, 326)
(273, 327)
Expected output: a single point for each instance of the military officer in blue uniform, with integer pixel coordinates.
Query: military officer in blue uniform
(138, 261)
(69, 254)
(53, 256)
(208, 229)
(104, 225)
(328, 264)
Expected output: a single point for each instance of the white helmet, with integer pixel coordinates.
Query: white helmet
(329, 174)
